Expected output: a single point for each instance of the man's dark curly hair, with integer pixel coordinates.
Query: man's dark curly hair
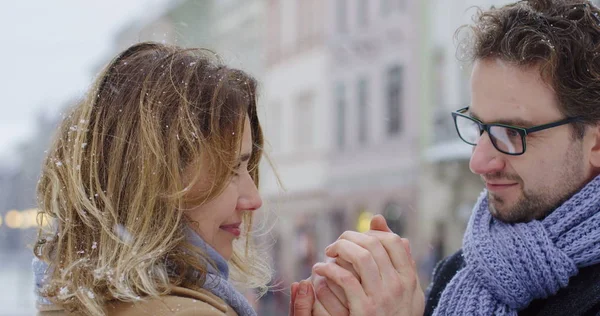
(562, 37)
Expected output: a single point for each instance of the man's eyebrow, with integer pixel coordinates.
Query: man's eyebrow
(516, 122)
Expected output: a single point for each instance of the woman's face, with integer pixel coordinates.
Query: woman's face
(219, 220)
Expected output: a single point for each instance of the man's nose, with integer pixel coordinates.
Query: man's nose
(486, 158)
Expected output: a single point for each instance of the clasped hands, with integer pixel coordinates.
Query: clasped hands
(370, 273)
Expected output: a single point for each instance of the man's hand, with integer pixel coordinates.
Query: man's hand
(374, 274)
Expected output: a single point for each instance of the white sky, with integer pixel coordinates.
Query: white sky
(48, 52)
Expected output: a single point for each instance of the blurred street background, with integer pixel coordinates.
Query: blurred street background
(355, 102)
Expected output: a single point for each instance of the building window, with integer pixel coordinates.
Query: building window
(363, 115)
(340, 93)
(341, 11)
(363, 12)
(394, 100)
(304, 131)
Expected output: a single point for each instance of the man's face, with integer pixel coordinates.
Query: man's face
(555, 164)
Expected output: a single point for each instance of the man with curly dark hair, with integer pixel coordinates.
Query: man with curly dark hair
(532, 245)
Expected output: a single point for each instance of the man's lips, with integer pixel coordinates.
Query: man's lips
(499, 186)
(234, 229)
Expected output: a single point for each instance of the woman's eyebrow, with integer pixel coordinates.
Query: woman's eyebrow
(245, 157)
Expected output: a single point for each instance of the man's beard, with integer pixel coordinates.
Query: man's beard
(527, 208)
(537, 205)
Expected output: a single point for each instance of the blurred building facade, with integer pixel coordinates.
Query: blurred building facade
(341, 117)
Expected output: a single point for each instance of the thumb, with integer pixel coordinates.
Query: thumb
(305, 298)
(378, 223)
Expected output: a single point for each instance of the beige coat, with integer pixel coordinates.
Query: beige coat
(181, 302)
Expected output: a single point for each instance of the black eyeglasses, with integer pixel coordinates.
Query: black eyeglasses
(506, 139)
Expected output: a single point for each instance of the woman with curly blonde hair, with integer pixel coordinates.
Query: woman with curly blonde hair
(149, 188)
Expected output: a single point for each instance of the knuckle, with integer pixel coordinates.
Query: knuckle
(412, 282)
(395, 239)
(347, 279)
(397, 291)
(371, 241)
(335, 244)
(345, 234)
(318, 282)
(397, 288)
(327, 266)
(363, 257)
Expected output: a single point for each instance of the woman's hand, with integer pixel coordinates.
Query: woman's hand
(302, 299)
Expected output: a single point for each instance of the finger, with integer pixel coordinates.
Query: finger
(304, 299)
(293, 291)
(362, 261)
(396, 249)
(342, 263)
(338, 292)
(329, 300)
(353, 290)
(319, 310)
(346, 265)
(374, 246)
(319, 282)
(379, 223)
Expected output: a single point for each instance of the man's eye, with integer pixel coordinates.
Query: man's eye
(513, 133)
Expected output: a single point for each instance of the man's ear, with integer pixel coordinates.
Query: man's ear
(592, 137)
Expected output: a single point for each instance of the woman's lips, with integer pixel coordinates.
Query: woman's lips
(233, 229)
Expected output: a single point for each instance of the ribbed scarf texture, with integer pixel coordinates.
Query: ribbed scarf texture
(509, 265)
(216, 279)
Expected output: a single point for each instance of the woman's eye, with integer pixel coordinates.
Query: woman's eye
(239, 169)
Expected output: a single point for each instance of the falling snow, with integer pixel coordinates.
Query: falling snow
(123, 234)
(90, 294)
(64, 291)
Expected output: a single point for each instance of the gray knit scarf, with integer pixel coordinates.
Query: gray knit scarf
(509, 265)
